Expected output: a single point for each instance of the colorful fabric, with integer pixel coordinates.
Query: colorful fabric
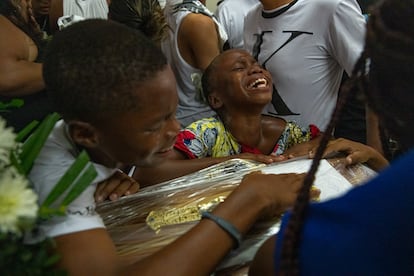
(209, 138)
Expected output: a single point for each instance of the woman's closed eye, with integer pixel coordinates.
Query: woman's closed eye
(238, 67)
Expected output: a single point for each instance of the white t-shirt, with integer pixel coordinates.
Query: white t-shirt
(230, 14)
(57, 155)
(86, 8)
(306, 45)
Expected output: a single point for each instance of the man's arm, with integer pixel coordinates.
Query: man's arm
(373, 131)
(198, 40)
(197, 252)
(178, 165)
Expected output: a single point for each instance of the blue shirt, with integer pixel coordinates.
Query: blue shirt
(368, 231)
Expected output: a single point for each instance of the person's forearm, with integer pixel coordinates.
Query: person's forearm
(201, 249)
(172, 169)
(372, 129)
(377, 161)
(21, 78)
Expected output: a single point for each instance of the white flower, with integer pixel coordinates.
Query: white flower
(18, 203)
(7, 143)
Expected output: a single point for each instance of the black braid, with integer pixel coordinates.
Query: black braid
(291, 240)
(389, 44)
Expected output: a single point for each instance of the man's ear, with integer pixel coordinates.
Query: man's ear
(214, 101)
(83, 134)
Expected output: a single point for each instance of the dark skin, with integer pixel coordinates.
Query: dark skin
(239, 104)
(19, 73)
(119, 184)
(146, 137)
(263, 263)
(192, 43)
(240, 107)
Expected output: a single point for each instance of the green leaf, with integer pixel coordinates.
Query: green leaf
(32, 146)
(26, 131)
(67, 179)
(15, 161)
(51, 260)
(81, 184)
(13, 103)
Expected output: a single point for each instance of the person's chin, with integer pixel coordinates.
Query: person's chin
(155, 158)
(164, 153)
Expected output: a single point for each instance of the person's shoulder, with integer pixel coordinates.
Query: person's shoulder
(58, 150)
(229, 5)
(199, 19)
(221, 3)
(196, 23)
(226, 4)
(255, 10)
(332, 4)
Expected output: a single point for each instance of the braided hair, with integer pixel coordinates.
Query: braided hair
(388, 88)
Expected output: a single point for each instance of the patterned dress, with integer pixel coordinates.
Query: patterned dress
(209, 138)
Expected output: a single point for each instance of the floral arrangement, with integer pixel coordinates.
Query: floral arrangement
(19, 207)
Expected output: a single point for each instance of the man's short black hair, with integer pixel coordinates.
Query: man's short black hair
(95, 67)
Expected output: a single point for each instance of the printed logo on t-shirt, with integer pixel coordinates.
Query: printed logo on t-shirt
(87, 211)
(278, 103)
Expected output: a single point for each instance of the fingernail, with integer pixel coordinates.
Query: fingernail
(113, 196)
(99, 199)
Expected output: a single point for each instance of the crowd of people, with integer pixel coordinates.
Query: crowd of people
(170, 87)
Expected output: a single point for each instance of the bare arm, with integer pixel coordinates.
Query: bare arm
(19, 74)
(198, 40)
(373, 133)
(198, 251)
(263, 263)
(178, 166)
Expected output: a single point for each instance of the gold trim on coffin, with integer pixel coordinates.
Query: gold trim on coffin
(159, 218)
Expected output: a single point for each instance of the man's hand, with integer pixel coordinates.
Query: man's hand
(356, 153)
(278, 190)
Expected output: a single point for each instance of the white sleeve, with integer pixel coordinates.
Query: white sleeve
(71, 223)
(226, 20)
(347, 34)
